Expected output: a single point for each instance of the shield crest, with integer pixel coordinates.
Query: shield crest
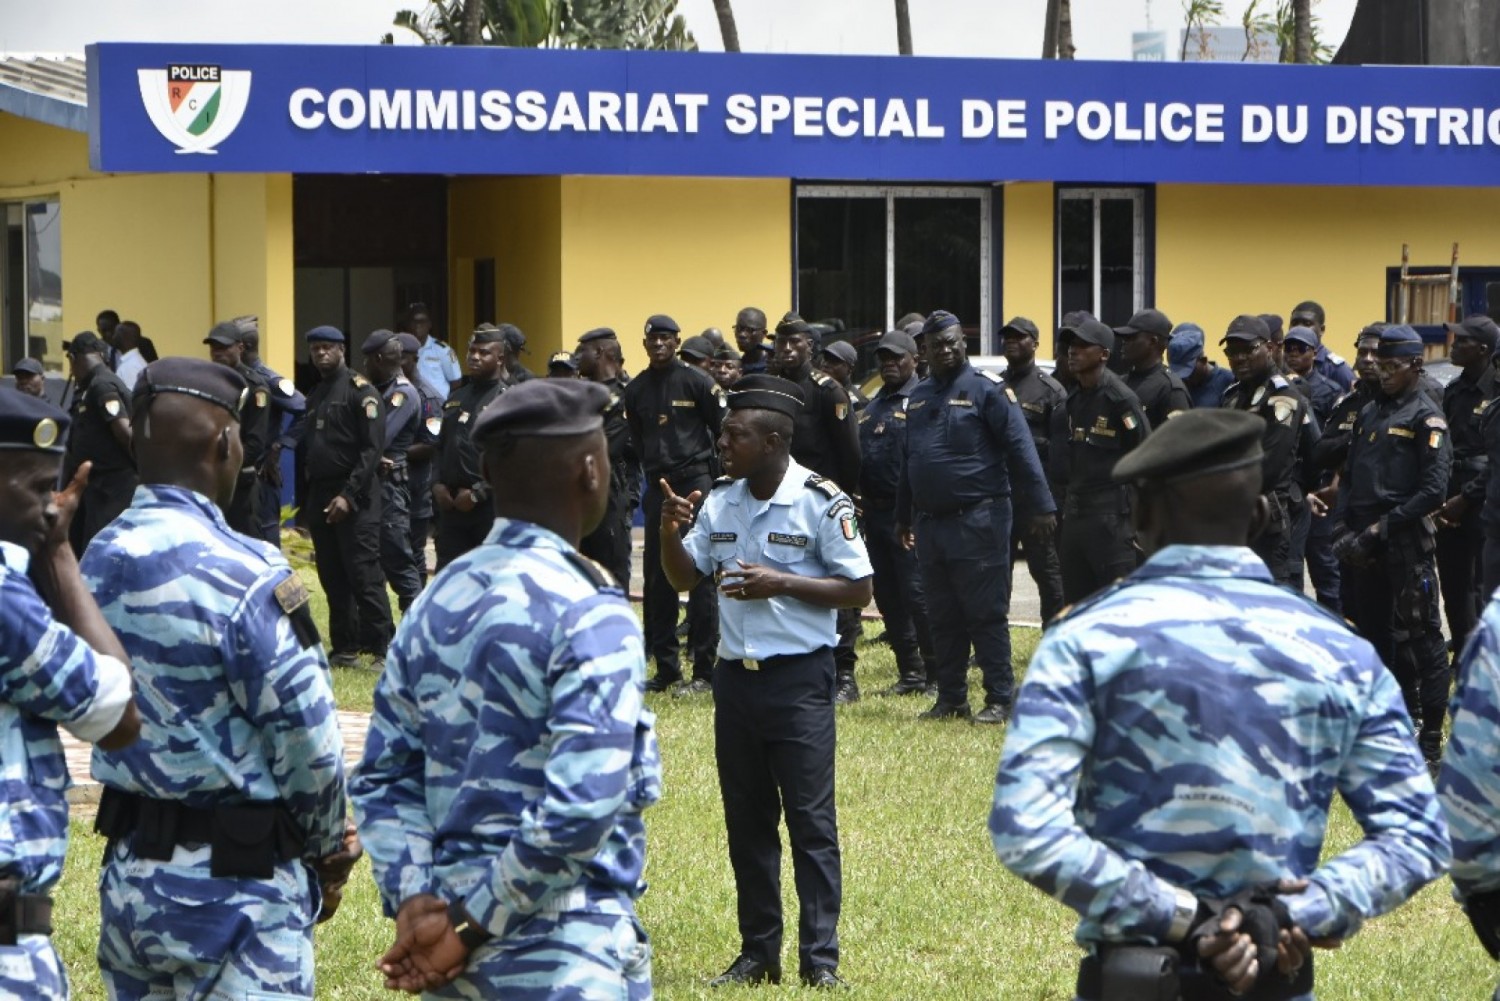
(195, 107)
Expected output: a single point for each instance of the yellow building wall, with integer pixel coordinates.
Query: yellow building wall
(33, 154)
(1027, 287)
(1226, 250)
(253, 260)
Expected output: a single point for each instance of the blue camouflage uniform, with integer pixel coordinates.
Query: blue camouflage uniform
(236, 708)
(1188, 728)
(288, 411)
(508, 761)
(48, 675)
(1469, 785)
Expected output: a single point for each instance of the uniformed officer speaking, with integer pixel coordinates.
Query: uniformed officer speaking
(60, 664)
(1172, 765)
(226, 346)
(600, 360)
(674, 411)
(100, 436)
(783, 544)
(460, 493)
(969, 452)
(1041, 398)
(345, 434)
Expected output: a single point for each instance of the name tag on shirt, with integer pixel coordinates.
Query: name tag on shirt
(788, 540)
(960, 403)
(1401, 432)
(683, 403)
(722, 536)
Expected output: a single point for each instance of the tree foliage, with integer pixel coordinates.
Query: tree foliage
(552, 24)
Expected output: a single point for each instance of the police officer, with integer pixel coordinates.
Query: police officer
(100, 435)
(750, 336)
(460, 493)
(727, 368)
(59, 664)
(419, 456)
(1105, 422)
(30, 377)
(1312, 537)
(562, 365)
(236, 785)
(1310, 314)
(837, 361)
(674, 412)
(1041, 398)
(345, 435)
(1460, 537)
(1141, 342)
(1260, 390)
(825, 440)
(1395, 478)
(515, 346)
(382, 353)
(601, 360)
(898, 581)
(698, 352)
(288, 411)
(1147, 686)
(1469, 785)
(783, 543)
(226, 347)
(968, 451)
(1205, 380)
(533, 781)
(436, 361)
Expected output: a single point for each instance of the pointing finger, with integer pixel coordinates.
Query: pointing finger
(666, 488)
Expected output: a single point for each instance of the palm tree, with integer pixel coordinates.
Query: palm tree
(1302, 51)
(1200, 14)
(1057, 37)
(727, 30)
(903, 27)
(473, 22)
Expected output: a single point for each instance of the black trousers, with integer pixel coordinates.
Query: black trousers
(609, 544)
(396, 560)
(460, 531)
(269, 513)
(774, 742)
(965, 561)
(244, 508)
(1322, 567)
(899, 596)
(348, 560)
(1460, 552)
(1097, 544)
(660, 598)
(1043, 565)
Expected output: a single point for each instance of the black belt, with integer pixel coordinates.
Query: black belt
(22, 913)
(771, 663)
(247, 839)
(959, 512)
(1096, 502)
(657, 474)
(1165, 974)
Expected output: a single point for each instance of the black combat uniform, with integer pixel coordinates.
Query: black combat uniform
(1460, 549)
(255, 435)
(100, 400)
(1161, 393)
(1041, 398)
(457, 468)
(609, 544)
(674, 416)
(402, 418)
(1097, 547)
(419, 465)
(345, 435)
(284, 430)
(1285, 411)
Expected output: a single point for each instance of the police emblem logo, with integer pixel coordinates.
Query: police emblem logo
(397, 398)
(112, 409)
(849, 525)
(44, 435)
(286, 387)
(261, 397)
(372, 409)
(1129, 422)
(1283, 409)
(434, 425)
(840, 411)
(291, 594)
(194, 107)
(1435, 439)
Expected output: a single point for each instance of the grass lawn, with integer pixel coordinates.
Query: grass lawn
(928, 911)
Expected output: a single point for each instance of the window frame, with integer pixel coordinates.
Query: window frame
(1143, 239)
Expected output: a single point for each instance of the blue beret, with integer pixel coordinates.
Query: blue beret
(377, 340)
(939, 320)
(409, 343)
(27, 366)
(224, 333)
(30, 423)
(766, 392)
(1195, 443)
(661, 321)
(1399, 341)
(544, 408)
(598, 334)
(1184, 349)
(326, 335)
(213, 383)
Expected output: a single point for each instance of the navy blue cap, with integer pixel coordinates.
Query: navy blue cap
(1399, 341)
(792, 324)
(897, 342)
(598, 334)
(1478, 327)
(409, 343)
(1147, 321)
(564, 358)
(1184, 349)
(31, 424)
(225, 333)
(27, 366)
(377, 340)
(697, 346)
(206, 380)
(1194, 443)
(937, 320)
(325, 335)
(766, 392)
(85, 343)
(514, 338)
(1304, 335)
(1091, 331)
(661, 321)
(1021, 326)
(1246, 327)
(544, 408)
(843, 351)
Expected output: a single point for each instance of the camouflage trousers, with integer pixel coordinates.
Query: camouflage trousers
(171, 932)
(601, 954)
(30, 969)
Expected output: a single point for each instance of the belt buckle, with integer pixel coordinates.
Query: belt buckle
(751, 665)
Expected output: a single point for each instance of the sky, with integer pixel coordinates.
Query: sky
(995, 28)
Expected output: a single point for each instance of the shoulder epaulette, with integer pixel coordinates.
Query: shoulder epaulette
(722, 481)
(821, 378)
(824, 485)
(990, 376)
(1336, 359)
(360, 380)
(1279, 382)
(591, 571)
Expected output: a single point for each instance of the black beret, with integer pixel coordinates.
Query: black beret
(766, 392)
(1192, 444)
(86, 343)
(598, 334)
(897, 342)
(224, 333)
(514, 339)
(1021, 326)
(1399, 341)
(30, 423)
(325, 335)
(1091, 331)
(1478, 327)
(939, 320)
(698, 346)
(1246, 327)
(487, 333)
(727, 353)
(217, 384)
(791, 325)
(409, 343)
(563, 358)
(661, 321)
(27, 366)
(544, 408)
(377, 340)
(843, 351)
(1147, 321)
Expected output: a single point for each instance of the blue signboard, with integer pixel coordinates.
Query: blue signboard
(384, 109)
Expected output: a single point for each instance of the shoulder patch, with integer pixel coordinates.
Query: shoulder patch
(397, 398)
(261, 398)
(1010, 394)
(372, 408)
(824, 485)
(285, 387)
(1437, 423)
(820, 378)
(291, 594)
(591, 571)
(360, 380)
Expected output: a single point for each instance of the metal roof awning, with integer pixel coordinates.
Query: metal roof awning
(51, 88)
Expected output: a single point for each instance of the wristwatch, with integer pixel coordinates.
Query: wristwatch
(1185, 912)
(470, 932)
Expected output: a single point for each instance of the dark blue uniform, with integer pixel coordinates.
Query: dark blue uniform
(402, 416)
(967, 446)
(898, 580)
(419, 459)
(1041, 398)
(1465, 400)
(1285, 411)
(288, 411)
(1312, 538)
(609, 544)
